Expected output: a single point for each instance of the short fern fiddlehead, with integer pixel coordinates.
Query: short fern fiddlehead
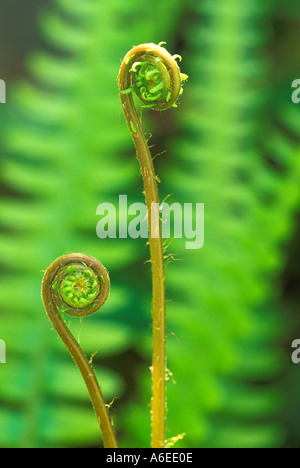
(78, 285)
(150, 72)
(154, 75)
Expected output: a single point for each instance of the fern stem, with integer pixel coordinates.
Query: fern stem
(153, 74)
(78, 285)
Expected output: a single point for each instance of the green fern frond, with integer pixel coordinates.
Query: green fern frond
(66, 152)
(224, 316)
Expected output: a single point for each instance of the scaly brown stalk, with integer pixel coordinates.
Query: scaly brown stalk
(78, 285)
(153, 74)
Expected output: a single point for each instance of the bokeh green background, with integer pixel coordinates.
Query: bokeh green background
(233, 144)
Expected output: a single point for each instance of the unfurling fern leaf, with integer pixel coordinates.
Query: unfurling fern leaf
(68, 151)
(223, 318)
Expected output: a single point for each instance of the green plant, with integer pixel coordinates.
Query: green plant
(149, 71)
(236, 150)
(78, 285)
(56, 167)
(234, 145)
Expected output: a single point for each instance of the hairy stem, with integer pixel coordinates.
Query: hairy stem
(153, 74)
(79, 285)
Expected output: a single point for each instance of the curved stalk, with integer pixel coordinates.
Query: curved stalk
(153, 74)
(78, 285)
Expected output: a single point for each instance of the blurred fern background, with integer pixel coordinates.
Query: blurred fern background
(233, 144)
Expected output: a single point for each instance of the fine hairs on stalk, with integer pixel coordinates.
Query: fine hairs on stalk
(150, 72)
(78, 285)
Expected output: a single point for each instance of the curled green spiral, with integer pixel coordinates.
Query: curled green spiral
(154, 76)
(80, 284)
(79, 288)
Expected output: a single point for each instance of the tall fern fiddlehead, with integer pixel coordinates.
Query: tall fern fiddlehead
(78, 285)
(150, 72)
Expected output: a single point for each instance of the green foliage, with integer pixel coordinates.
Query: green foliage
(223, 349)
(235, 149)
(66, 152)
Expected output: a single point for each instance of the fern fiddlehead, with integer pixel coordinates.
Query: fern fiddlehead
(149, 71)
(78, 285)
